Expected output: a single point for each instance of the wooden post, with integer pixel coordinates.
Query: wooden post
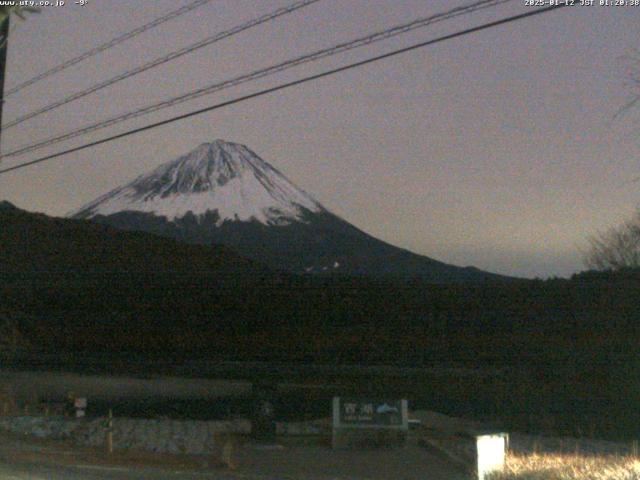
(110, 433)
(229, 448)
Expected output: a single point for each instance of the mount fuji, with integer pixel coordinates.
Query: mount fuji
(223, 193)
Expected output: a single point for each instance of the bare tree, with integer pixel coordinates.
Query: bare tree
(631, 72)
(617, 248)
(19, 11)
(5, 12)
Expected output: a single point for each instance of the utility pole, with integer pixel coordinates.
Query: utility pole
(4, 46)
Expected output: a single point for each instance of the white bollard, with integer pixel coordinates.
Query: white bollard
(491, 452)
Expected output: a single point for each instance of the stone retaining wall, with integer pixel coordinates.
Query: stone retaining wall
(162, 436)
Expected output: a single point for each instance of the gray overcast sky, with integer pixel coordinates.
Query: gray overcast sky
(497, 149)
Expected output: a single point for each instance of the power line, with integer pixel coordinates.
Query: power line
(277, 68)
(162, 60)
(289, 84)
(110, 44)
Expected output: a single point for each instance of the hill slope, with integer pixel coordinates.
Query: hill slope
(223, 193)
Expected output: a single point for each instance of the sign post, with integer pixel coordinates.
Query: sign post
(80, 406)
(369, 421)
(263, 421)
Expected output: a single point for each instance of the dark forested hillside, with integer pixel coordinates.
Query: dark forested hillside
(86, 287)
(79, 291)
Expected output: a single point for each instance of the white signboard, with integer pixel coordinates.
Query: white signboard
(367, 416)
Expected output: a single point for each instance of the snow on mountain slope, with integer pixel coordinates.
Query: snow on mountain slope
(223, 193)
(224, 177)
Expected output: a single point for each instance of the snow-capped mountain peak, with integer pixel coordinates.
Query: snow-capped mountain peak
(222, 193)
(222, 177)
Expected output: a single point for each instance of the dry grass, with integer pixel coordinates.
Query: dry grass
(569, 467)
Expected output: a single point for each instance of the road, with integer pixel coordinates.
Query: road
(24, 459)
(21, 470)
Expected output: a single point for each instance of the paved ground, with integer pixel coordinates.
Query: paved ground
(23, 459)
(39, 471)
(322, 463)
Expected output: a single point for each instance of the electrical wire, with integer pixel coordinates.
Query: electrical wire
(289, 84)
(162, 60)
(277, 68)
(106, 46)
